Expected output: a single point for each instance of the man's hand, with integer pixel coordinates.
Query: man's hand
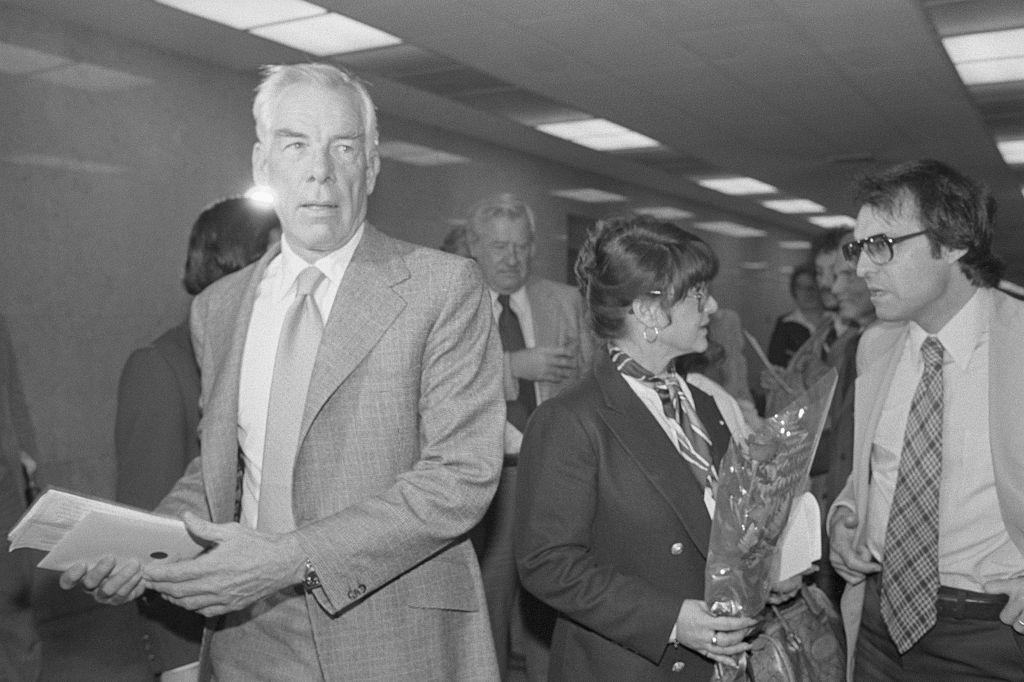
(1013, 613)
(852, 564)
(544, 363)
(244, 566)
(110, 580)
(719, 638)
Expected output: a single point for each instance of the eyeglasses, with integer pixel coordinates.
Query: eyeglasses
(698, 291)
(878, 247)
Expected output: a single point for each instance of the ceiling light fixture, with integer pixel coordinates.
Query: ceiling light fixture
(795, 244)
(417, 155)
(793, 206)
(246, 14)
(588, 195)
(736, 185)
(326, 34)
(598, 134)
(730, 229)
(1012, 150)
(988, 57)
(665, 212)
(833, 222)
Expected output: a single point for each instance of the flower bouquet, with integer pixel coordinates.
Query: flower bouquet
(757, 483)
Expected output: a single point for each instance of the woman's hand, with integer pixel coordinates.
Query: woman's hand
(719, 638)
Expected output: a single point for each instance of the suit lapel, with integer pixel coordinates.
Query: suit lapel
(228, 319)
(643, 439)
(364, 308)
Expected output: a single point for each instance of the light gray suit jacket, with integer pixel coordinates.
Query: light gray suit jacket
(877, 355)
(558, 319)
(400, 453)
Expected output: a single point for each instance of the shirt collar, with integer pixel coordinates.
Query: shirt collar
(517, 297)
(333, 265)
(961, 335)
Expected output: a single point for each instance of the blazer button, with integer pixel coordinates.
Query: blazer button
(677, 548)
(353, 593)
(361, 589)
(678, 666)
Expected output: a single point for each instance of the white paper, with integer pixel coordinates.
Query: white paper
(800, 544)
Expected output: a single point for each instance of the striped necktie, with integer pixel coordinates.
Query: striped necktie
(910, 568)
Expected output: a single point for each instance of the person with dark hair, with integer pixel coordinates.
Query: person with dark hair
(351, 430)
(455, 241)
(615, 474)
(156, 427)
(546, 348)
(929, 529)
(795, 327)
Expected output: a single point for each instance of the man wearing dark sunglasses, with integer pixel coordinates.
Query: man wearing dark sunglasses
(929, 530)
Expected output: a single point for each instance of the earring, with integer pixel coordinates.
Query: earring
(647, 337)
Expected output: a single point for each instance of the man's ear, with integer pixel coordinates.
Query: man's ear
(372, 169)
(259, 164)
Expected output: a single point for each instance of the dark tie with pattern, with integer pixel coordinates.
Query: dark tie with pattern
(293, 368)
(910, 568)
(512, 340)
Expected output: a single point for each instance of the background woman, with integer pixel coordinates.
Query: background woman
(615, 475)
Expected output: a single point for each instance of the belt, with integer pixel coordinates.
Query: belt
(968, 605)
(510, 459)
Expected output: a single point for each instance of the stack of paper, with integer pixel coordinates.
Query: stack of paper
(74, 529)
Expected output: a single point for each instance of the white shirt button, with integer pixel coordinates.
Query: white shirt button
(677, 548)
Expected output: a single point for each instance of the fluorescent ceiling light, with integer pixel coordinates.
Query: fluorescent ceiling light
(832, 222)
(326, 34)
(736, 185)
(588, 195)
(64, 163)
(417, 155)
(261, 194)
(992, 71)
(15, 60)
(754, 265)
(665, 212)
(1012, 151)
(245, 14)
(599, 134)
(92, 77)
(972, 47)
(793, 206)
(730, 229)
(795, 245)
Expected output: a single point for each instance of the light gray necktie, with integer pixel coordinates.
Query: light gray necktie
(293, 368)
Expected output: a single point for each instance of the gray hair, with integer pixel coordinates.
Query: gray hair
(506, 206)
(277, 77)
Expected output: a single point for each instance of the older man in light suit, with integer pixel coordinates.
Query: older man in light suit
(367, 461)
(547, 347)
(929, 530)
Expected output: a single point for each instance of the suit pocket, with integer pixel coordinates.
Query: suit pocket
(444, 582)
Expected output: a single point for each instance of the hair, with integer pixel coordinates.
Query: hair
(226, 237)
(804, 269)
(455, 241)
(625, 258)
(276, 78)
(955, 211)
(827, 241)
(507, 206)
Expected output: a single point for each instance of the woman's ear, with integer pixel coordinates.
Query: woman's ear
(649, 313)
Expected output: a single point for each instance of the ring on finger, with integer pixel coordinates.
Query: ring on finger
(714, 639)
(1020, 621)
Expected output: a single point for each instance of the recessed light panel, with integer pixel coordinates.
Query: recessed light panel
(588, 195)
(1012, 151)
(326, 34)
(246, 14)
(989, 57)
(665, 212)
(795, 245)
(417, 155)
(598, 134)
(793, 206)
(736, 185)
(730, 229)
(833, 222)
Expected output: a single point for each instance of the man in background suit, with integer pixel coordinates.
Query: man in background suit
(929, 530)
(349, 560)
(156, 429)
(547, 347)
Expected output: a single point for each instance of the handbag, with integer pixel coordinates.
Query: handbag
(800, 641)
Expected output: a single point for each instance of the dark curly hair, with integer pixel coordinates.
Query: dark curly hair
(954, 210)
(226, 237)
(627, 257)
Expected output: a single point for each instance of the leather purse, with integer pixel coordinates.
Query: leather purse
(801, 641)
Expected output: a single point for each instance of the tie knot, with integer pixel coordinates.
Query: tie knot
(307, 281)
(931, 352)
(503, 301)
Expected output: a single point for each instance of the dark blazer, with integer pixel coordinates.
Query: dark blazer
(612, 530)
(155, 438)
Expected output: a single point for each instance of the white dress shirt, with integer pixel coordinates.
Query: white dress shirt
(275, 294)
(520, 304)
(974, 546)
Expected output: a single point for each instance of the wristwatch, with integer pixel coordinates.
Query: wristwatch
(311, 580)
